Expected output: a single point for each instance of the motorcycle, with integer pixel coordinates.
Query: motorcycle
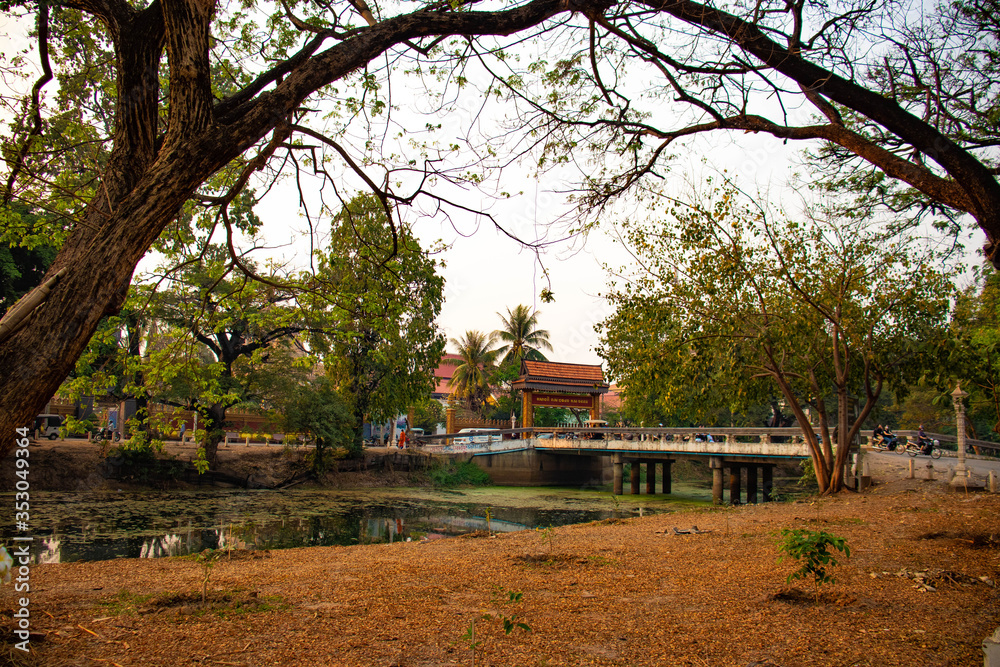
(106, 433)
(887, 443)
(925, 447)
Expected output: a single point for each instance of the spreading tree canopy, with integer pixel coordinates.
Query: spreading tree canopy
(897, 101)
(731, 301)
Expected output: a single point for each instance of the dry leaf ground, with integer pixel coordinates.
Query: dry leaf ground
(918, 589)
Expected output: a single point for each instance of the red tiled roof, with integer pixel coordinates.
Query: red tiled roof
(553, 376)
(443, 374)
(553, 370)
(446, 370)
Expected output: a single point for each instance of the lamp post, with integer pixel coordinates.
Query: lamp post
(957, 396)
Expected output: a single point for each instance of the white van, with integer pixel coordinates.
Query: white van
(47, 426)
(479, 436)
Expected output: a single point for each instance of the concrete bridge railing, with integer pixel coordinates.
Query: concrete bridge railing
(727, 442)
(729, 447)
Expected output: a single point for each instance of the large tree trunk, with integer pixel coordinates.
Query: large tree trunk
(215, 431)
(40, 356)
(843, 440)
(358, 447)
(820, 466)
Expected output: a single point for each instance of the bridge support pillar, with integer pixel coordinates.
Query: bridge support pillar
(735, 485)
(650, 478)
(716, 463)
(616, 462)
(666, 488)
(768, 482)
(634, 477)
(751, 484)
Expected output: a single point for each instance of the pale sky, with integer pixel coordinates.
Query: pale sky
(487, 273)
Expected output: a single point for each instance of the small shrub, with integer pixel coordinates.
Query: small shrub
(504, 601)
(813, 550)
(207, 560)
(548, 536)
(505, 598)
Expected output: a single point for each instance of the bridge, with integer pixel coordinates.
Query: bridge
(565, 456)
(538, 456)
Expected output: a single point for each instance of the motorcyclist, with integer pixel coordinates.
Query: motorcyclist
(884, 438)
(924, 442)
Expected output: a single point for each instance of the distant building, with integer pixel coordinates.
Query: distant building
(442, 376)
(612, 401)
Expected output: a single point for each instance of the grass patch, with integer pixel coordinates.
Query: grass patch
(464, 473)
(126, 603)
(551, 560)
(601, 561)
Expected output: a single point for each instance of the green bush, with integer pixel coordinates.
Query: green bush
(808, 479)
(465, 473)
(139, 459)
(813, 550)
(74, 426)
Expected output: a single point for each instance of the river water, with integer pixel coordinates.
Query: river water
(100, 526)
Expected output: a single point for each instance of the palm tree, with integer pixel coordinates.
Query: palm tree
(523, 340)
(470, 381)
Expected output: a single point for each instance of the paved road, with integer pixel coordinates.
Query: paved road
(980, 467)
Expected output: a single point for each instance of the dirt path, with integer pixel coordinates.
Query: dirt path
(918, 589)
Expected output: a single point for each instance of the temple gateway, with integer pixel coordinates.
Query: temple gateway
(556, 385)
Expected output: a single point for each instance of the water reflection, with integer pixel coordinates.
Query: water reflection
(92, 526)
